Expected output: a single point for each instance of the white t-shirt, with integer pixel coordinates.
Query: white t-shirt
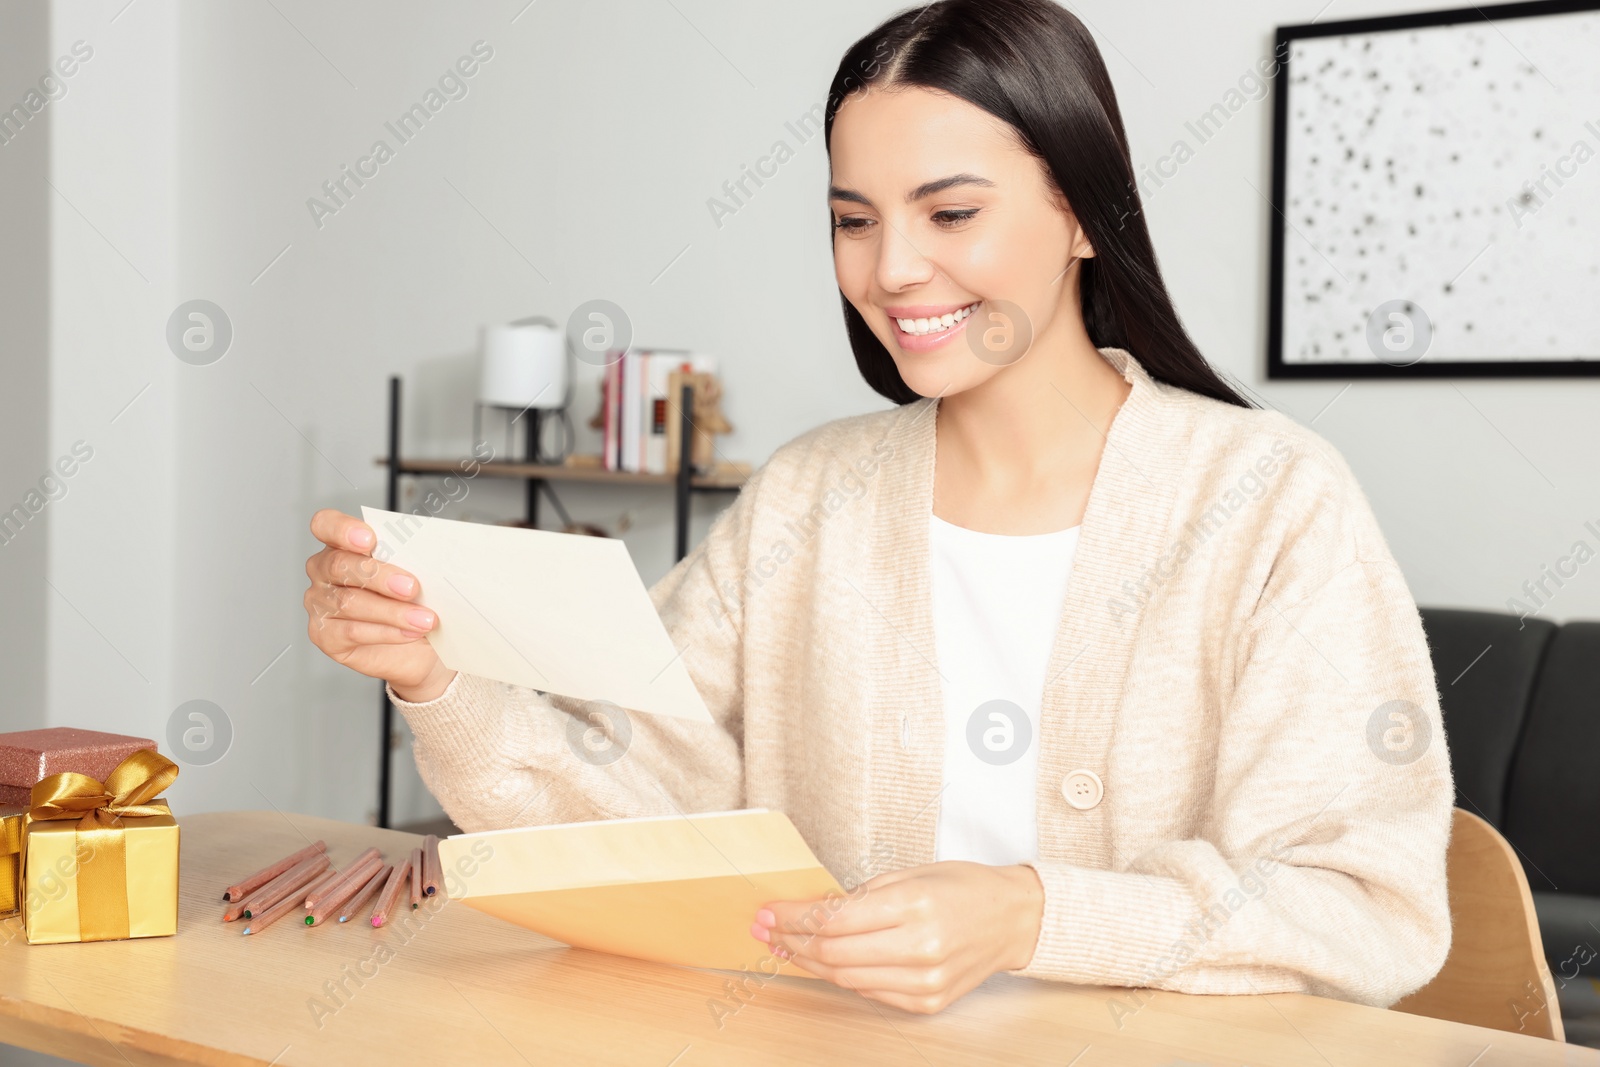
(996, 608)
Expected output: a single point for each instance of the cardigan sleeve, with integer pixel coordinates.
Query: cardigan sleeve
(498, 755)
(1321, 864)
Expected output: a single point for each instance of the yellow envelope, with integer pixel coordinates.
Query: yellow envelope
(680, 889)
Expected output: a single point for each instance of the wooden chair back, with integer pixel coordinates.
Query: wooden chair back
(1495, 975)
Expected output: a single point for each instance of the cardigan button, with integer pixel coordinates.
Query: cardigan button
(1083, 789)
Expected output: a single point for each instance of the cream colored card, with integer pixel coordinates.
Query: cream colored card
(562, 613)
(680, 889)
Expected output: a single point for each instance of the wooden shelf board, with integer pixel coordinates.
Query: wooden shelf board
(718, 479)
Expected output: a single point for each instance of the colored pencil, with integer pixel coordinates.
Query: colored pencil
(357, 869)
(273, 914)
(338, 892)
(334, 898)
(289, 881)
(293, 880)
(432, 871)
(365, 893)
(391, 893)
(322, 883)
(249, 883)
(416, 877)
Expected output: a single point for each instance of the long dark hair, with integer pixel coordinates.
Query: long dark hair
(1032, 64)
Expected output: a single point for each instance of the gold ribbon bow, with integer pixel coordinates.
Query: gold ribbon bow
(101, 845)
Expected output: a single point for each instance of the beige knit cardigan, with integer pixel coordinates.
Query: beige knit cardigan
(1238, 660)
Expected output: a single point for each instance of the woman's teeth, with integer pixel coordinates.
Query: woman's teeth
(917, 327)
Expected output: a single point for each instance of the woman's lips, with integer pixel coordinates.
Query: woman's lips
(925, 342)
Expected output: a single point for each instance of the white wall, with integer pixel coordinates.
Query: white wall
(24, 362)
(113, 156)
(585, 152)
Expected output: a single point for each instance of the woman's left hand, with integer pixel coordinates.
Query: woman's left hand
(919, 938)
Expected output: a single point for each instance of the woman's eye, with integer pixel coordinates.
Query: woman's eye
(954, 216)
(852, 224)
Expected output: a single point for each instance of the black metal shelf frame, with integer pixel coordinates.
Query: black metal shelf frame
(683, 489)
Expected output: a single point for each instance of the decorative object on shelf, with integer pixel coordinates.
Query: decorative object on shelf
(706, 419)
(103, 857)
(525, 368)
(1428, 216)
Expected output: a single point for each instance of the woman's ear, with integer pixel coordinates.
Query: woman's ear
(1081, 248)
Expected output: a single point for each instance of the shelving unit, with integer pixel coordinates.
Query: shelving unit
(538, 476)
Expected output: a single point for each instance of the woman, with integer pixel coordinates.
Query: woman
(1200, 764)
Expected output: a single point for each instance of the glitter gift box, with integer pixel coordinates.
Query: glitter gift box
(29, 756)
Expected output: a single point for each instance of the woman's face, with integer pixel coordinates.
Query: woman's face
(940, 214)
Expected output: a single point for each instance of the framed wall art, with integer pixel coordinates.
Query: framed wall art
(1436, 195)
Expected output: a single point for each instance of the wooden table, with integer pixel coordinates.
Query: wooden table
(463, 988)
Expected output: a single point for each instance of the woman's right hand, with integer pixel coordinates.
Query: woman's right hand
(360, 611)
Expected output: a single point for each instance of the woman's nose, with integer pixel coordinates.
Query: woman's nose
(901, 264)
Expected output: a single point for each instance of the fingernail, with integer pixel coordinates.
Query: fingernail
(759, 932)
(766, 918)
(412, 634)
(780, 952)
(403, 584)
(361, 538)
(420, 619)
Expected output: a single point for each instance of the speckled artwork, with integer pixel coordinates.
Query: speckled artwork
(1454, 169)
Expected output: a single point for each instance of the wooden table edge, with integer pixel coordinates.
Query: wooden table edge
(40, 1027)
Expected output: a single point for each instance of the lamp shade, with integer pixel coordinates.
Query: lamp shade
(524, 364)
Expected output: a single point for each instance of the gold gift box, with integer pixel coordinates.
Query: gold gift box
(56, 910)
(100, 861)
(10, 854)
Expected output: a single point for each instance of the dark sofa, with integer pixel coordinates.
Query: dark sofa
(1521, 703)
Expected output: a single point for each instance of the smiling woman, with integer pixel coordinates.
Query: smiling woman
(1052, 219)
(1086, 665)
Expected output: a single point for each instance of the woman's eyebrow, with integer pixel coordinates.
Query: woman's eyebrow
(925, 189)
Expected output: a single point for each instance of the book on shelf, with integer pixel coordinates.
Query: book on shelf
(608, 396)
(638, 416)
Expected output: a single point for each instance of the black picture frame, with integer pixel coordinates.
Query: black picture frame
(1277, 367)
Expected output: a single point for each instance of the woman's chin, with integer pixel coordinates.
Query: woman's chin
(933, 374)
